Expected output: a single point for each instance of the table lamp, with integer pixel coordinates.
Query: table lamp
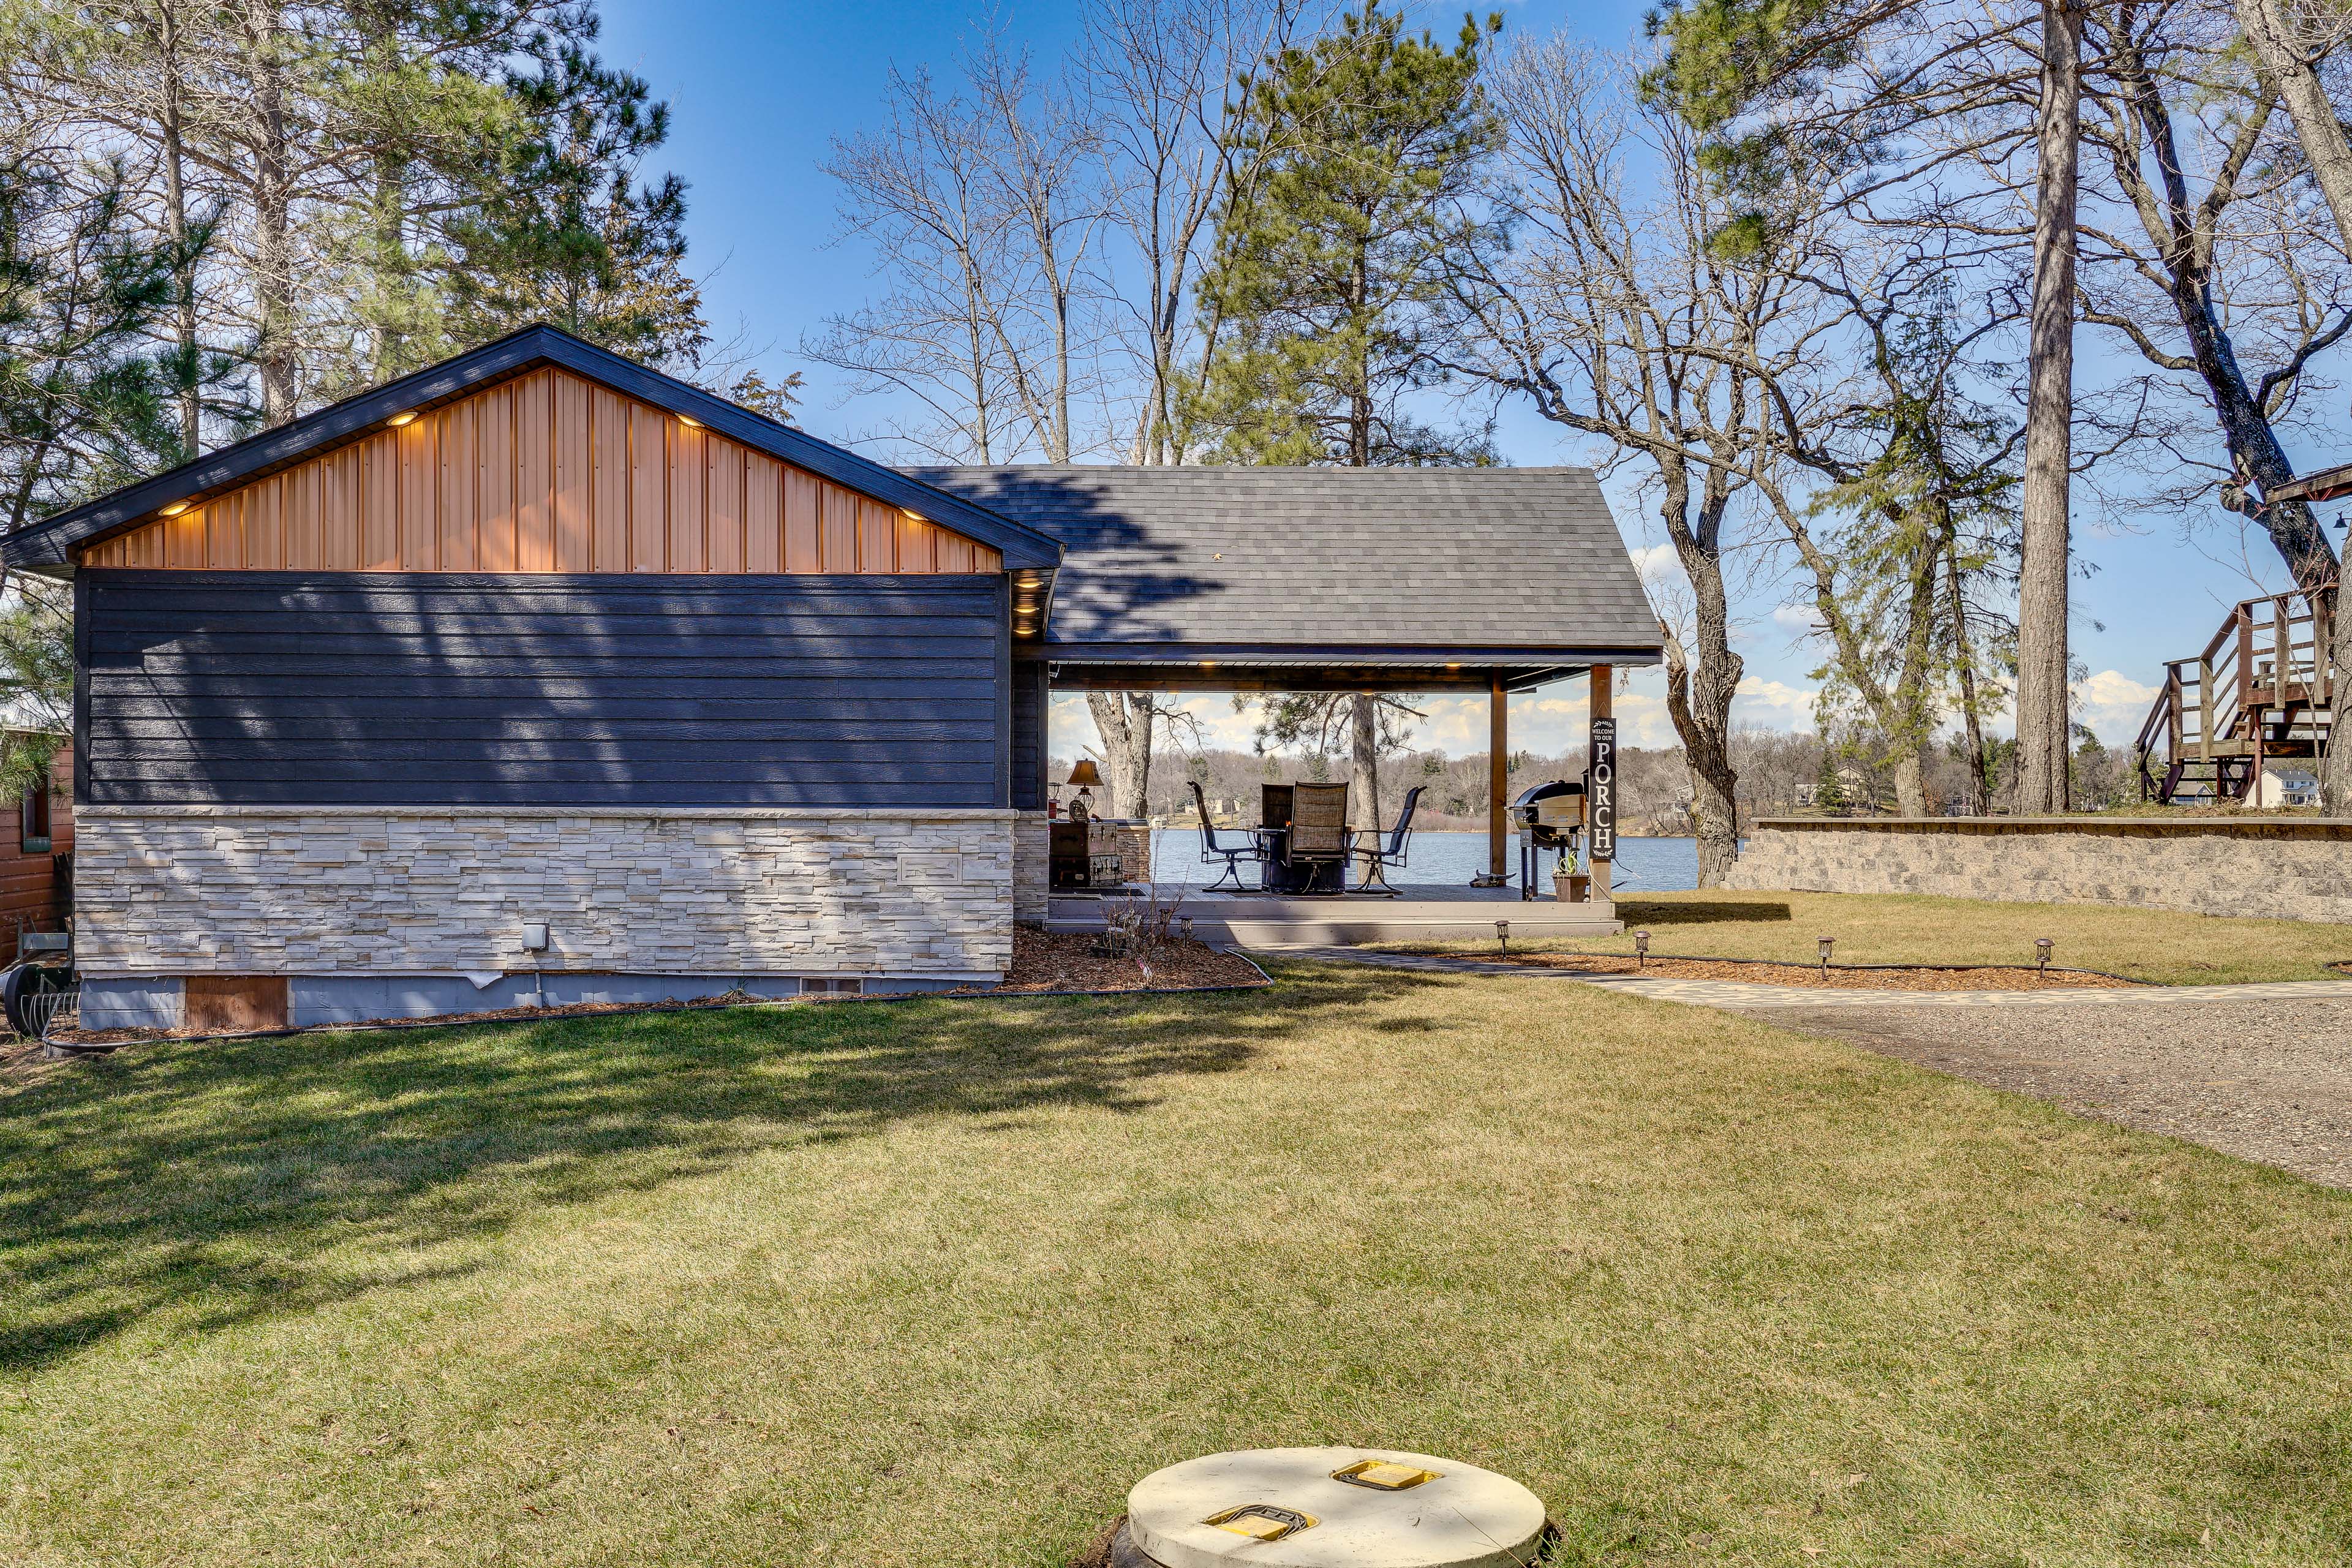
(1083, 778)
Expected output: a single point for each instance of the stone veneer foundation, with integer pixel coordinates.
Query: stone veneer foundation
(396, 905)
(2279, 868)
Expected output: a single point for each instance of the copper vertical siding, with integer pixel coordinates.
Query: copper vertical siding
(549, 472)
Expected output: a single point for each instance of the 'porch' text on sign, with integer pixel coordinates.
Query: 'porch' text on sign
(1601, 790)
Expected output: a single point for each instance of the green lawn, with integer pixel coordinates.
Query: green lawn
(930, 1284)
(2164, 947)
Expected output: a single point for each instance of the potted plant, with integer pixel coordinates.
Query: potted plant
(1569, 885)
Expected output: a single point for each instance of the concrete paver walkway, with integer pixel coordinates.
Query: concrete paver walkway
(2261, 1071)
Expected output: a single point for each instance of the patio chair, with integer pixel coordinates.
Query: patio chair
(1318, 828)
(1379, 850)
(1215, 849)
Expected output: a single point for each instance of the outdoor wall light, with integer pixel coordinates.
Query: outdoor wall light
(1641, 948)
(1827, 943)
(406, 416)
(2041, 945)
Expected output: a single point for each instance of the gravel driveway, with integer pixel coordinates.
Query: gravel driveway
(2267, 1080)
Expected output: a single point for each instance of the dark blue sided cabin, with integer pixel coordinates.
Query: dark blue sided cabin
(538, 674)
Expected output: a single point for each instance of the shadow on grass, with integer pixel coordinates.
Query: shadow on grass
(238, 1180)
(1642, 912)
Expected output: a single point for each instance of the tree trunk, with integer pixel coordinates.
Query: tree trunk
(2283, 57)
(175, 222)
(1699, 701)
(1125, 721)
(2042, 629)
(1364, 774)
(1911, 782)
(273, 217)
(1978, 799)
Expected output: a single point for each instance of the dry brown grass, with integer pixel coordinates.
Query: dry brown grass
(931, 1283)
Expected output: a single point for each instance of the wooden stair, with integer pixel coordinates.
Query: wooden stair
(2264, 688)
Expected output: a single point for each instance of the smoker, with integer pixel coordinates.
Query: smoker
(1549, 816)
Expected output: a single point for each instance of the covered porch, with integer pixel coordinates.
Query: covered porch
(1372, 904)
(1495, 582)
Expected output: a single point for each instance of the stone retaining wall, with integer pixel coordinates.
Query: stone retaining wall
(442, 890)
(2279, 868)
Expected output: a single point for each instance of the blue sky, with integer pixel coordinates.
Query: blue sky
(756, 91)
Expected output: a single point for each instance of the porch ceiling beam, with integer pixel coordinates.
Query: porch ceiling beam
(1217, 677)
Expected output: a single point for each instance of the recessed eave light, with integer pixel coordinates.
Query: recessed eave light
(175, 509)
(406, 416)
(690, 423)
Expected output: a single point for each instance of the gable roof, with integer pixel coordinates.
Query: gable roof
(1492, 566)
(48, 546)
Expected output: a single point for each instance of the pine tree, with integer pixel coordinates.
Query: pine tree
(1829, 786)
(1324, 301)
(567, 234)
(87, 403)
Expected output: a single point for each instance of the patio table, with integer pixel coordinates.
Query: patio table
(1279, 874)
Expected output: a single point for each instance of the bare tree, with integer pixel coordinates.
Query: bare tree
(985, 208)
(2043, 736)
(2214, 232)
(1160, 75)
(1620, 318)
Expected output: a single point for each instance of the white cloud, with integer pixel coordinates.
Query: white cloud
(1772, 703)
(1654, 561)
(2113, 704)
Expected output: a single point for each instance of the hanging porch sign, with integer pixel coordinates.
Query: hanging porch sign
(1601, 790)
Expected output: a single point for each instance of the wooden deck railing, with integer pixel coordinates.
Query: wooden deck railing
(2263, 686)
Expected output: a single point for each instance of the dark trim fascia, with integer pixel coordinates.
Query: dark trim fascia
(82, 632)
(1370, 656)
(1215, 677)
(48, 546)
(1004, 690)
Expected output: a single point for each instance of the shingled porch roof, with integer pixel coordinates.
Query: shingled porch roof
(1234, 578)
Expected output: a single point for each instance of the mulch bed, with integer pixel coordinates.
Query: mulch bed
(1062, 961)
(1839, 978)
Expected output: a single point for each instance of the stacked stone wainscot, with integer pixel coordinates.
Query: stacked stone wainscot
(921, 895)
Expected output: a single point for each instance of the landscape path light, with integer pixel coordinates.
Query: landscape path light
(1641, 948)
(2041, 945)
(1503, 934)
(1827, 942)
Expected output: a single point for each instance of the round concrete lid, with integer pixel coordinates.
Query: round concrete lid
(1464, 1518)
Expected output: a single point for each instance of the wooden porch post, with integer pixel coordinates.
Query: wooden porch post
(1499, 781)
(1604, 707)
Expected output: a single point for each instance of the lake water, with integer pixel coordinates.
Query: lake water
(1643, 865)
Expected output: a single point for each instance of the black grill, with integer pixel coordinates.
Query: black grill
(1549, 816)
